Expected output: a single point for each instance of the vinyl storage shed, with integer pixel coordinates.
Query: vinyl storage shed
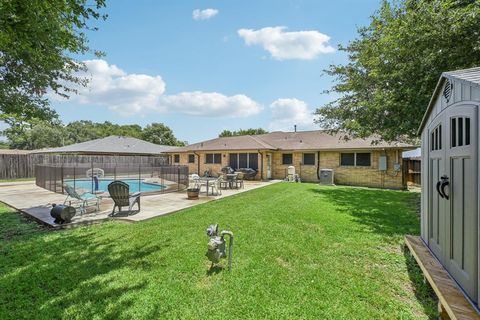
(450, 177)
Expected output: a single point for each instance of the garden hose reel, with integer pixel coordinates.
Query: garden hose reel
(217, 247)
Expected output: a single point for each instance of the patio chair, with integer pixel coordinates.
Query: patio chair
(120, 194)
(239, 180)
(83, 199)
(222, 181)
(194, 181)
(215, 185)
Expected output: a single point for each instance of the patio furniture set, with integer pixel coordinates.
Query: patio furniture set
(118, 191)
(214, 185)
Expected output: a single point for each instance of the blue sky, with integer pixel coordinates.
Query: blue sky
(229, 67)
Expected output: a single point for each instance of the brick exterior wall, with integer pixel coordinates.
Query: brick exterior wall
(343, 175)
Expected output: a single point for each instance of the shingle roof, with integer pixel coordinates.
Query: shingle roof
(111, 145)
(279, 140)
(15, 151)
(227, 143)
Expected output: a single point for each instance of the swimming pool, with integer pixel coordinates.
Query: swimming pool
(134, 184)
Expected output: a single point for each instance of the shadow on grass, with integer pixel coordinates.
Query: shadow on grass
(384, 212)
(391, 214)
(423, 292)
(214, 269)
(60, 274)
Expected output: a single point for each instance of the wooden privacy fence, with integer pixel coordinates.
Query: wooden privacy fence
(412, 168)
(17, 166)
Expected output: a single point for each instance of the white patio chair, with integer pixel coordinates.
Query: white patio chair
(215, 186)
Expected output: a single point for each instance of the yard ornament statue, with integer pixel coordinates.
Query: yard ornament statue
(217, 245)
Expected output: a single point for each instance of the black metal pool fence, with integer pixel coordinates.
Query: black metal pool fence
(94, 177)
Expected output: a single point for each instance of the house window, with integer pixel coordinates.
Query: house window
(309, 159)
(354, 159)
(191, 158)
(176, 158)
(244, 160)
(363, 159)
(287, 158)
(212, 158)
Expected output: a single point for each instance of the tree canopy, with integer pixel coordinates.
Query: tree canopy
(395, 63)
(160, 134)
(37, 41)
(242, 132)
(42, 134)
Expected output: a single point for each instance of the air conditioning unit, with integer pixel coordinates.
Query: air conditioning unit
(326, 176)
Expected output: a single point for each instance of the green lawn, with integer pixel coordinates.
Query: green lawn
(301, 252)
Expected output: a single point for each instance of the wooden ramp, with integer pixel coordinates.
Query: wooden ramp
(452, 303)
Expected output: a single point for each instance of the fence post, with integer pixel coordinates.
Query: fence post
(178, 178)
(74, 176)
(61, 173)
(139, 176)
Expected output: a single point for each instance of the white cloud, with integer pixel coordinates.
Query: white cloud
(213, 104)
(143, 94)
(289, 112)
(283, 45)
(205, 14)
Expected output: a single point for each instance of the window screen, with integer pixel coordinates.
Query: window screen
(253, 161)
(242, 160)
(233, 160)
(287, 158)
(347, 159)
(191, 158)
(213, 158)
(309, 158)
(363, 159)
(217, 158)
(176, 158)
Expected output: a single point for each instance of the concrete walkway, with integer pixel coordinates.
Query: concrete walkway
(36, 202)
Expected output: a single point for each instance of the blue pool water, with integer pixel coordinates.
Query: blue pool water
(135, 185)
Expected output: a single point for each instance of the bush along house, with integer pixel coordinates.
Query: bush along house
(358, 162)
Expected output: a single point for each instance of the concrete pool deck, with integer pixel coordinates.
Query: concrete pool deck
(36, 202)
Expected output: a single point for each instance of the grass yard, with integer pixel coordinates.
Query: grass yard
(301, 252)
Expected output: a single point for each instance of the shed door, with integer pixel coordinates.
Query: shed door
(436, 169)
(461, 245)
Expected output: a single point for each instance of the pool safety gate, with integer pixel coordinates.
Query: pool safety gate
(53, 177)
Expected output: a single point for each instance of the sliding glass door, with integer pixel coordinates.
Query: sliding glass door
(244, 160)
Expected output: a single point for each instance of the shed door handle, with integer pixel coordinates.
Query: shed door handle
(438, 189)
(444, 184)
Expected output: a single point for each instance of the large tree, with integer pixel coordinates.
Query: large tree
(395, 63)
(242, 132)
(160, 134)
(38, 39)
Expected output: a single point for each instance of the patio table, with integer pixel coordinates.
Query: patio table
(207, 180)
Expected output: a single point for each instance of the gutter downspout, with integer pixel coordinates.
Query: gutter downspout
(318, 165)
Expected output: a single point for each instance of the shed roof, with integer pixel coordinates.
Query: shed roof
(301, 140)
(470, 76)
(111, 145)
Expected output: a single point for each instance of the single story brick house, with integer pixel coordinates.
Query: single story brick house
(354, 161)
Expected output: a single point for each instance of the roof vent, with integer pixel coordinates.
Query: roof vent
(447, 90)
